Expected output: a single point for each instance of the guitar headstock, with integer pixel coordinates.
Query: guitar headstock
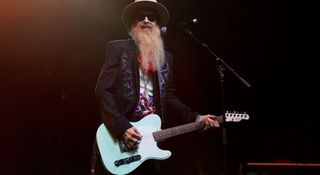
(236, 116)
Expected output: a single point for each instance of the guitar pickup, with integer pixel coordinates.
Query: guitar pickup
(127, 160)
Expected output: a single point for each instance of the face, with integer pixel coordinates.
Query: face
(145, 20)
(146, 33)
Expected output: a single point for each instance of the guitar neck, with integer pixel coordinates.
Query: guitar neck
(178, 130)
(182, 129)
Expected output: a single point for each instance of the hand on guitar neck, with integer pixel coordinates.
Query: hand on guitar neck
(210, 121)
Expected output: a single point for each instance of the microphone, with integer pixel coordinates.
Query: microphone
(183, 24)
(187, 23)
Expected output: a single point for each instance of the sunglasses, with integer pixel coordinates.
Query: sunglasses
(153, 17)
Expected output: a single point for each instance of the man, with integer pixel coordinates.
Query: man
(136, 77)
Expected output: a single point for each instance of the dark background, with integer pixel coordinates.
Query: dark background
(52, 51)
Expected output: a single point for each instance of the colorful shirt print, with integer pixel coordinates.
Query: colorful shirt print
(146, 100)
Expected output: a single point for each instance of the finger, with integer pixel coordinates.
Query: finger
(212, 124)
(131, 144)
(128, 138)
(216, 124)
(133, 140)
(208, 116)
(136, 143)
(136, 131)
(212, 117)
(136, 136)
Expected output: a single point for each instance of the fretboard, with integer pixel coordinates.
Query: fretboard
(174, 131)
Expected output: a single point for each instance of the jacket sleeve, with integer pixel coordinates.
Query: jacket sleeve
(173, 104)
(114, 120)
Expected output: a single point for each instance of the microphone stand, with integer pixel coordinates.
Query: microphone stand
(221, 68)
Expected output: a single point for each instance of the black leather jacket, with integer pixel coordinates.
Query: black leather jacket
(117, 88)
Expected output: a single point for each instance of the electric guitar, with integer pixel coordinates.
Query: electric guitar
(117, 159)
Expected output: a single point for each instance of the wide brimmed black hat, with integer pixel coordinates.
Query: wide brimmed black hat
(129, 10)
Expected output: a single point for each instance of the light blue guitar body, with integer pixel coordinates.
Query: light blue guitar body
(110, 148)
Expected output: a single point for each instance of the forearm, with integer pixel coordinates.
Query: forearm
(111, 116)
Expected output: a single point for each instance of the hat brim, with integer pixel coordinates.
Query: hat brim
(161, 9)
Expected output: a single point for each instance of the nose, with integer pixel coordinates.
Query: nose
(146, 19)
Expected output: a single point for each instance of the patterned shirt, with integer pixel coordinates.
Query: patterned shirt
(146, 100)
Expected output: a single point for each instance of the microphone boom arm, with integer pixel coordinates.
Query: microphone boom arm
(218, 59)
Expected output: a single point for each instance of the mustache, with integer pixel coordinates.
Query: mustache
(147, 25)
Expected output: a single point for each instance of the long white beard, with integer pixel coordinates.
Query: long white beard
(151, 47)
